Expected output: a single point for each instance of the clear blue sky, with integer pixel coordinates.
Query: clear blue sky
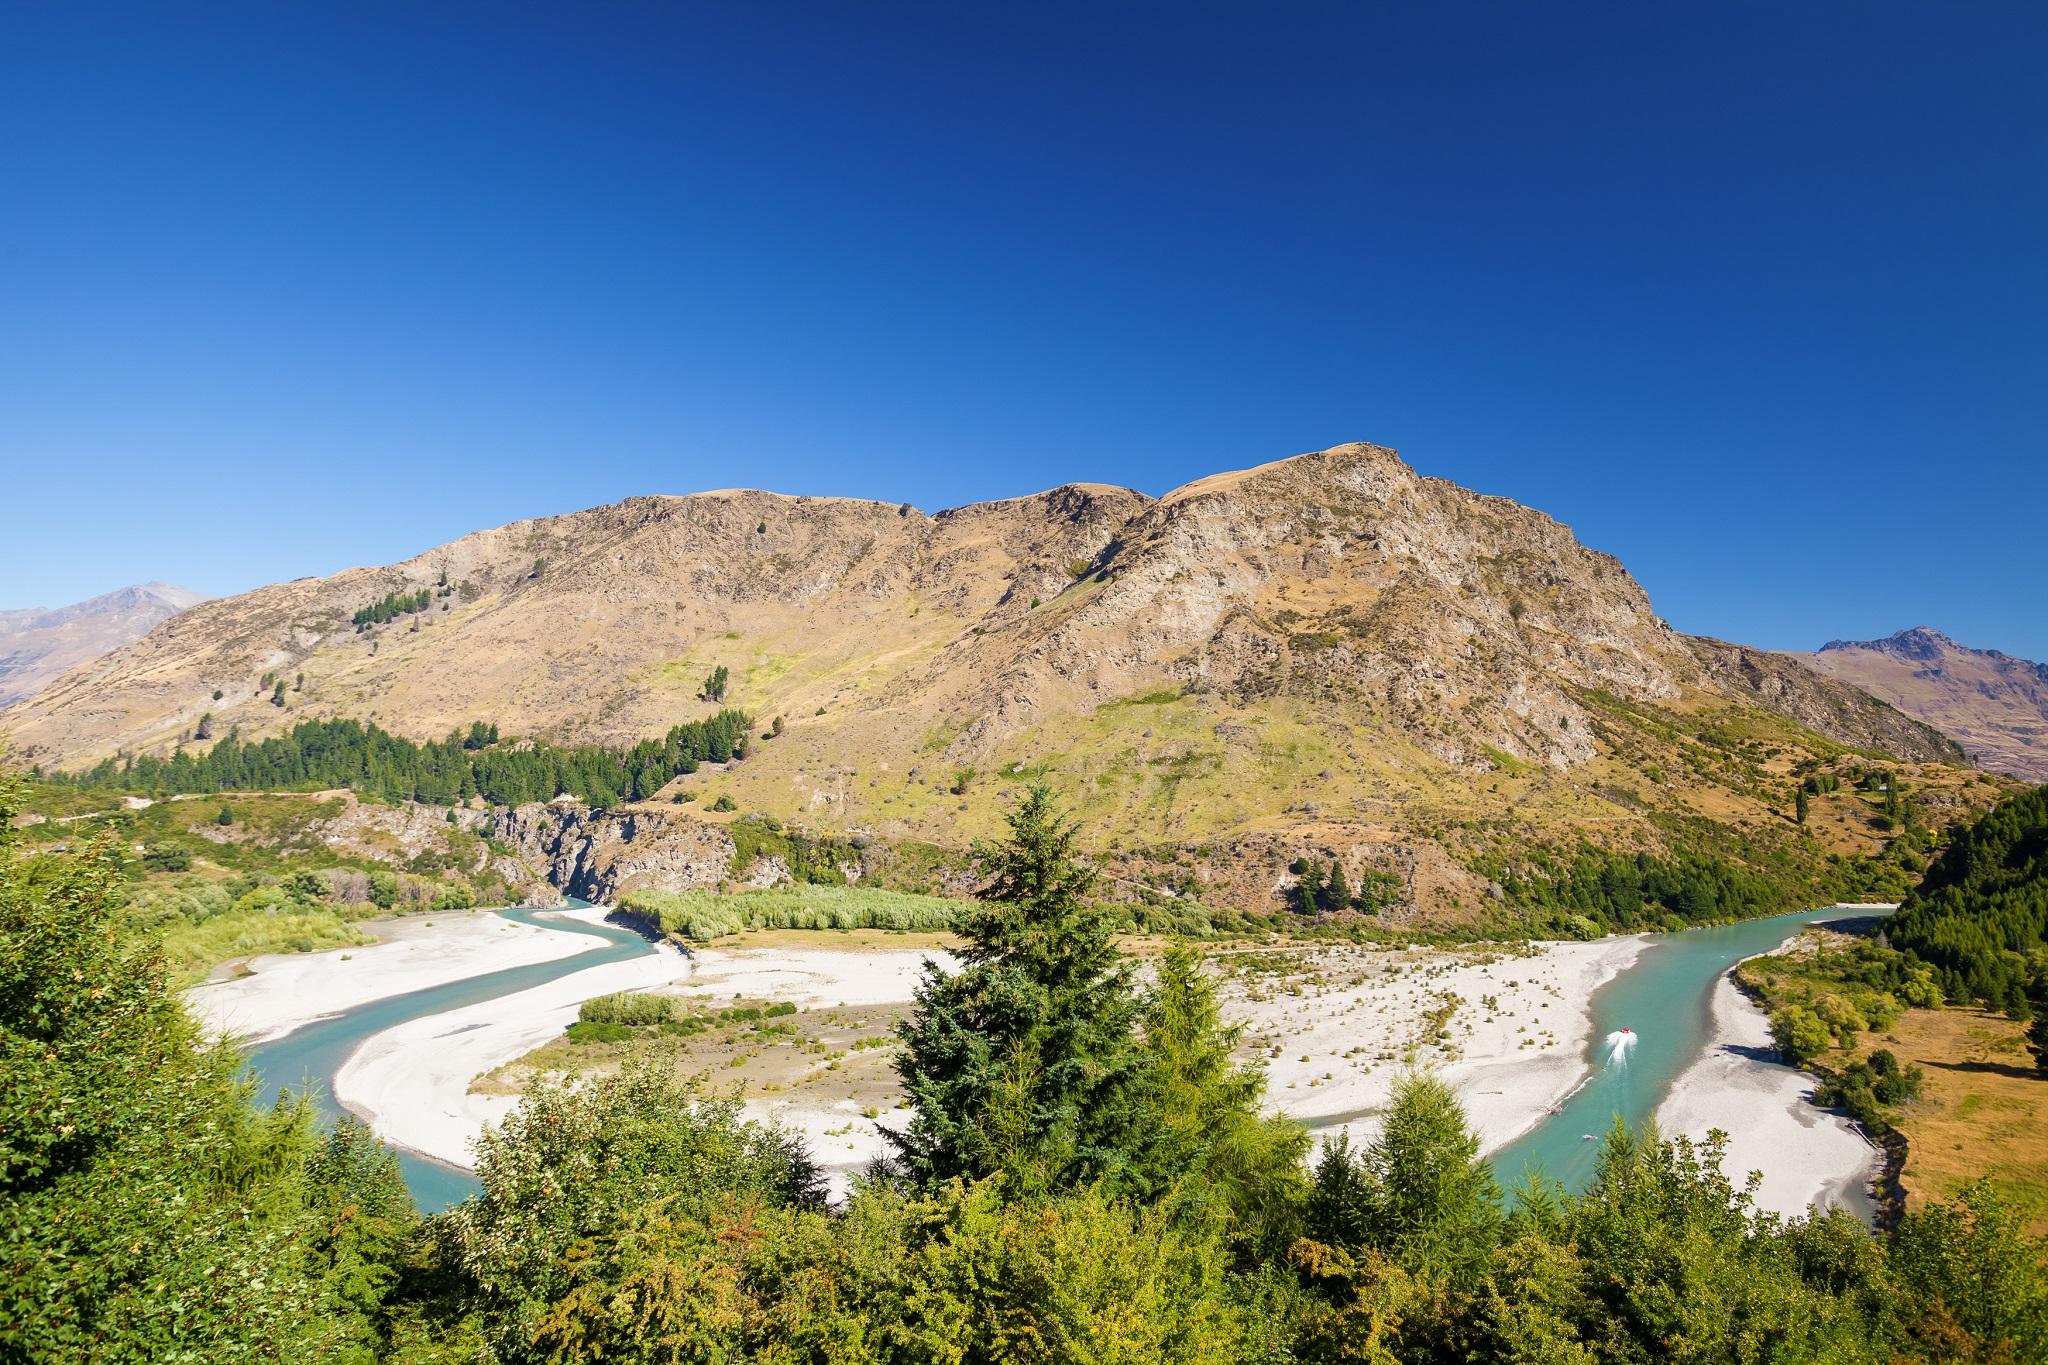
(1754, 296)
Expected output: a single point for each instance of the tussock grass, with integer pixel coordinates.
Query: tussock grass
(190, 949)
(708, 915)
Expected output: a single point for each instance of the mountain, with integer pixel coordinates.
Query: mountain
(38, 645)
(1327, 652)
(1995, 705)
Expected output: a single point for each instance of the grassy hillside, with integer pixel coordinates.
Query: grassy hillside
(283, 873)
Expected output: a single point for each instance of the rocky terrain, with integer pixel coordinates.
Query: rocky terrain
(1327, 653)
(1995, 705)
(39, 645)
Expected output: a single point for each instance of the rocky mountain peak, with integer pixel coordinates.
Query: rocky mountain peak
(1338, 584)
(39, 645)
(1994, 704)
(1922, 643)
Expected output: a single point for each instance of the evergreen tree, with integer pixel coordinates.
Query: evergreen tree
(1799, 804)
(226, 816)
(1210, 1139)
(2037, 1024)
(1438, 1204)
(1983, 905)
(1026, 1062)
(1308, 886)
(1336, 892)
(277, 693)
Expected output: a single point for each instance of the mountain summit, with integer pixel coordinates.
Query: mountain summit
(1996, 705)
(1326, 647)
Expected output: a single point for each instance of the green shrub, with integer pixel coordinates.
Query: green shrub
(580, 1032)
(627, 1007)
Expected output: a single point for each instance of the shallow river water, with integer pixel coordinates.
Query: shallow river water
(310, 1056)
(1663, 998)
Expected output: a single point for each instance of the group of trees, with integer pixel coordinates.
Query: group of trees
(1088, 1176)
(1826, 996)
(346, 753)
(1598, 891)
(1980, 916)
(391, 606)
(1321, 890)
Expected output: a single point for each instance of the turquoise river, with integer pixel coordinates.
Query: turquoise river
(1663, 998)
(309, 1057)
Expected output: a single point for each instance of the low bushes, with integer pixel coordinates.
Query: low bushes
(618, 1018)
(703, 915)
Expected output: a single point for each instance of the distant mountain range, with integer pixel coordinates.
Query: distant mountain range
(38, 645)
(1995, 705)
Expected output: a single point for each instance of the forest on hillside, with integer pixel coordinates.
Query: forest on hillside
(318, 754)
(1088, 1175)
(1980, 916)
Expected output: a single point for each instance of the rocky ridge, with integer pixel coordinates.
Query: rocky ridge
(1329, 651)
(1993, 703)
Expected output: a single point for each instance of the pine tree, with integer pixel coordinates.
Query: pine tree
(1308, 887)
(1209, 1137)
(1026, 1062)
(1799, 804)
(226, 816)
(2037, 1027)
(1336, 894)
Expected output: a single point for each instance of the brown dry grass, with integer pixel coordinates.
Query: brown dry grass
(1983, 1112)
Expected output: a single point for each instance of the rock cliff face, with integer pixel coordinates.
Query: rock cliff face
(1326, 647)
(1994, 704)
(598, 856)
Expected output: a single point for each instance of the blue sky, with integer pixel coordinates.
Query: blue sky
(1750, 295)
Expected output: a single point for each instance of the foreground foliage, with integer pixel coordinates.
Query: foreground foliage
(1090, 1180)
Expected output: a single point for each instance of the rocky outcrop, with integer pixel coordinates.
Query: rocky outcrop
(598, 856)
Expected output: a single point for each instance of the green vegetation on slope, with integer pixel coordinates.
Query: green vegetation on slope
(391, 606)
(365, 758)
(268, 880)
(1981, 915)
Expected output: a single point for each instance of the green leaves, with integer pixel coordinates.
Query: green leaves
(146, 1214)
(1027, 1062)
